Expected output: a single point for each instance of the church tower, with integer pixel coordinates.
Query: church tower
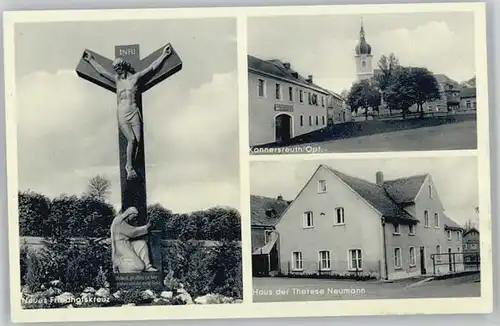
(363, 57)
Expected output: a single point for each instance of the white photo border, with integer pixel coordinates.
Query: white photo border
(247, 309)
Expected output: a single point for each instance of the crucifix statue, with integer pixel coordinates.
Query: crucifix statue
(129, 77)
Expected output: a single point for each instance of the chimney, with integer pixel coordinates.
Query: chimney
(379, 177)
(310, 79)
(280, 198)
(287, 65)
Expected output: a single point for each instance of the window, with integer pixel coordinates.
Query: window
(426, 219)
(290, 94)
(301, 96)
(321, 186)
(465, 246)
(297, 261)
(267, 234)
(310, 120)
(313, 99)
(430, 190)
(317, 120)
(436, 220)
(322, 101)
(449, 235)
(356, 260)
(397, 257)
(438, 253)
(339, 215)
(411, 229)
(363, 63)
(473, 246)
(396, 229)
(302, 120)
(459, 236)
(324, 260)
(278, 91)
(468, 104)
(323, 119)
(413, 258)
(262, 87)
(309, 98)
(308, 220)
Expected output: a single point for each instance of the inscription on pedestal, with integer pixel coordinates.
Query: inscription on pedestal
(141, 281)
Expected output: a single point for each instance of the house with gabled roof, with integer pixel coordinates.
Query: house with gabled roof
(282, 104)
(471, 248)
(265, 212)
(468, 100)
(389, 229)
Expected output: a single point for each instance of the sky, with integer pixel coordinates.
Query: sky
(455, 178)
(67, 128)
(323, 46)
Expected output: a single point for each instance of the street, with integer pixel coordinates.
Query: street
(301, 289)
(452, 136)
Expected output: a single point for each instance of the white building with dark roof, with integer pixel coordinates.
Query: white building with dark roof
(388, 229)
(282, 103)
(468, 100)
(337, 109)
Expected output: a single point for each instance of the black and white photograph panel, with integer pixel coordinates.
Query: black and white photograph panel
(126, 195)
(347, 230)
(362, 83)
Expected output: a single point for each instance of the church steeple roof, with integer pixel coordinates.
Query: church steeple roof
(362, 47)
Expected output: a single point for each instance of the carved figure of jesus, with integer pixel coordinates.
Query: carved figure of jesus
(129, 117)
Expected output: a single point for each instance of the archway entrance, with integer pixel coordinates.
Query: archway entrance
(283, 127)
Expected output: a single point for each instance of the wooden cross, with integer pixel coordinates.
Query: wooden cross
(133, 192)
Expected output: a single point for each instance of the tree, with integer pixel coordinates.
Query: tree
(425, 87)
(344, 94)
(64, 211)
(96, 217)
(399, 93)
(469, 225)
(365, 95)
(99, 188)
(387, 65)
(33, 209)
(188, 227)
(224, 224)
(469, 83)
(158, 216)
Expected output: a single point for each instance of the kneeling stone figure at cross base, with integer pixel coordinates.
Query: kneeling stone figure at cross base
(128, 254)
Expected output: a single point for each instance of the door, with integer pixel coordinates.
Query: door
(283, 127)
(422, 261)
(260, 265)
